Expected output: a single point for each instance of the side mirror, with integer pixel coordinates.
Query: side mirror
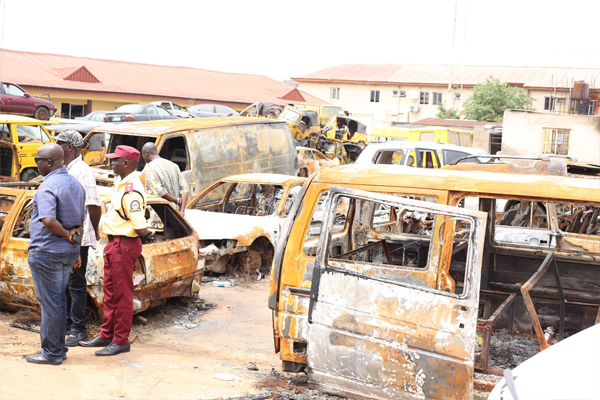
(27, 95)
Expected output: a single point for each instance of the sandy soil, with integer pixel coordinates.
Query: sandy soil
(177, 354)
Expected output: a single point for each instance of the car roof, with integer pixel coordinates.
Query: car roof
(367, 154)
(19, 118)
(263, 178)
(497, 179)
(163, 126)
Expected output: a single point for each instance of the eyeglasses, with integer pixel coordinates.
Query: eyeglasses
(38, 159)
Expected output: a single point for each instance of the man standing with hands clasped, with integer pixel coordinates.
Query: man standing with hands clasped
(55, 228)
(124, 224)
(71, 142)
(164, 179)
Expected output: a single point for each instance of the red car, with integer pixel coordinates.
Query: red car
(15, 100)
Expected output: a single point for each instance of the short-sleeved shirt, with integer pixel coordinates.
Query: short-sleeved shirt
(164, 176)
(84, 175)
(62, 197)
(128, 201)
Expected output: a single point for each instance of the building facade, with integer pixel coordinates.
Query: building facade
(80, 85)
(535, 134)
(379, 95)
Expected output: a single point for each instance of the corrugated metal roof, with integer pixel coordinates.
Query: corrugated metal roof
(528, 77)
(120, 77)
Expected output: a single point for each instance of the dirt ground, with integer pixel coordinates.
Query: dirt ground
(218, 345)
(184, 351)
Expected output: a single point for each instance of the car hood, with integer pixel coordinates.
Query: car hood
(244, 228)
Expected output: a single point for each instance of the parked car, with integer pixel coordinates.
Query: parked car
(168, 266)
(207, 149)
(568, 370)
(238, 219)
(138, 112)
(173, 108)
(311, 160)
(418, 154)
(96, 116)
(212, 110)
(25, 135)
(267, 110)
(15, 100)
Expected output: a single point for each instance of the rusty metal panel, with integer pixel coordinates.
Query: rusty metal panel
(375, 333)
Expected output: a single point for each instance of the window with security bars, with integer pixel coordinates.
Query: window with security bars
(556, 141)
(424, 98)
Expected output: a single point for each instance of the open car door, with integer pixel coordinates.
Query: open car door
(9, 162)
(382, 324)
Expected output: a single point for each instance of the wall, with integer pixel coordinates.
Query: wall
(522, 133)
(355, 97)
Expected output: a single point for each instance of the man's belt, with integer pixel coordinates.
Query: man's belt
(113, 237)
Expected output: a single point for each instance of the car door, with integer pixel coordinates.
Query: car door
(9, 162)
(385, 331)
(15, 100)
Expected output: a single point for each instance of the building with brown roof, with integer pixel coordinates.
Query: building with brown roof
(381, 94)
(79, 85)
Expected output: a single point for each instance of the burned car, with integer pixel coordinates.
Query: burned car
(239, 218)
(168, 266)
(393, 295)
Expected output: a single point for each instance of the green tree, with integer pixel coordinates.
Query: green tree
(442, 112)
(492, 98)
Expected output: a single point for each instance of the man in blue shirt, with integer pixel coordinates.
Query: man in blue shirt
(57, 218)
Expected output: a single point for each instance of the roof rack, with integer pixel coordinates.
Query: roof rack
(491, 158)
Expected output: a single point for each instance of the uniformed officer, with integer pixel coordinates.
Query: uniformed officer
(124, 224)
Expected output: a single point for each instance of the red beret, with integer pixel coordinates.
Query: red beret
(127, 152)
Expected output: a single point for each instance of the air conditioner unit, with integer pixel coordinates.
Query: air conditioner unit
(457, 96)
(413, 108)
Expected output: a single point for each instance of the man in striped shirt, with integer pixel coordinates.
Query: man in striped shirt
(164, 179)
(71, 142)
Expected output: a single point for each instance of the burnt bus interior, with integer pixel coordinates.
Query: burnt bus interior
(173, 148)
(6, 161)
(242, 198)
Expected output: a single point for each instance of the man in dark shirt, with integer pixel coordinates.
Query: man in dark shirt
(58, 215)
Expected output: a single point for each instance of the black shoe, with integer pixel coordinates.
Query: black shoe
(40, 359)
(76, 337)
(114, 349)
(40, 352)
(95, 342)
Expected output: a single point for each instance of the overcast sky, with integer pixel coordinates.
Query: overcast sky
(285, 38)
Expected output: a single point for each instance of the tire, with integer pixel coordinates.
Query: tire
(42, 113)
(28, 174)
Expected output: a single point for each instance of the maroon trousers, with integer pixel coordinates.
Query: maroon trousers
(119, 259)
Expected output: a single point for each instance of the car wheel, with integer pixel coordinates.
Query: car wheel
(29, 174)
(42, 113)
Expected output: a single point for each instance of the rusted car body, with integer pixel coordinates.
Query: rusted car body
(311, 160)
(370, 318)
(168, 267)
(238, 219)
(207, 149)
